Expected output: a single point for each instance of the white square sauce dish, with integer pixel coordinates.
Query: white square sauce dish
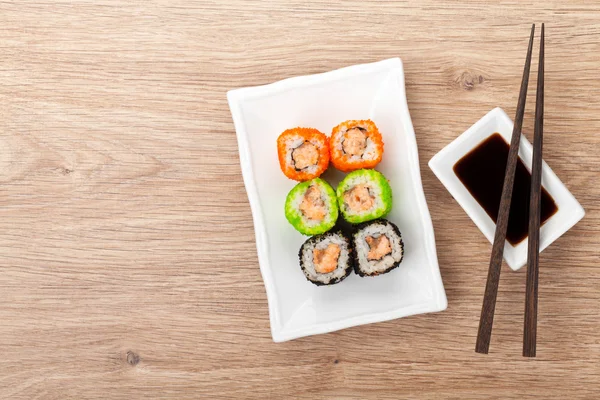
(568, 213)
(371, 91)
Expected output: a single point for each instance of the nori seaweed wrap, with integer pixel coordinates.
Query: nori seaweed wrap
(327, 259)
(378, 248)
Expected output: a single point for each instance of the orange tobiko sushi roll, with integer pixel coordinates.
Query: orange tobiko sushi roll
(355, 145)
(303, 153)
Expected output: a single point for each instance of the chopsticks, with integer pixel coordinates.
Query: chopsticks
(491, 289)
(533, 251)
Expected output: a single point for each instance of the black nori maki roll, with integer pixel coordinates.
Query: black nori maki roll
(378, 248)
(327, 258)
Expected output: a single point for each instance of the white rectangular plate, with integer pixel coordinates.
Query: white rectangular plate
(569, 210)
(297, 307)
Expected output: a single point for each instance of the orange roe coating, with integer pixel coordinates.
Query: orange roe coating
(362, 154)
(307, 148)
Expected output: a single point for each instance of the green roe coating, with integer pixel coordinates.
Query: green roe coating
(297, 218)
(374, 179)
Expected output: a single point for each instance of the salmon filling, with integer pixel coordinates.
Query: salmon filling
(355, 141)
(326, 260)
(304, 156)
(359, 198)
(313, 206)
(378, 247)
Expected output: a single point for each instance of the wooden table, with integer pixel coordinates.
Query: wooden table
(128, 264)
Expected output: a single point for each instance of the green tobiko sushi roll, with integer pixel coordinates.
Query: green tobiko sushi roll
(364, 195)
(311, 207)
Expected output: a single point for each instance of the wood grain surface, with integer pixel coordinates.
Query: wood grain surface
(127, 260)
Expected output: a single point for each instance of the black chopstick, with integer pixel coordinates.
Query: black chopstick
(491, 288)
(533, 251)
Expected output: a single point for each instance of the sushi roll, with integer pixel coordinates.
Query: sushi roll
(378, 248)
(311, 207)
(303, 153)
(364, 195)
(326, 259)
(355, 145)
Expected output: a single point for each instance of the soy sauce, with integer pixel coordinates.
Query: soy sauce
(482, 172)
